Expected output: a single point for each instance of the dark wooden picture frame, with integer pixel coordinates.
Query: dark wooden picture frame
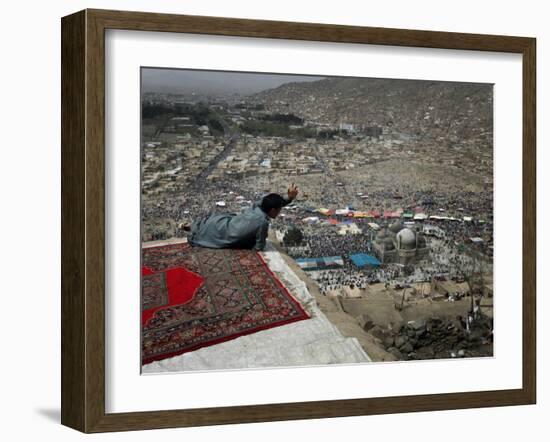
(83, 220)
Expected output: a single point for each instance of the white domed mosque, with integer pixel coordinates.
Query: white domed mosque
(399, 244)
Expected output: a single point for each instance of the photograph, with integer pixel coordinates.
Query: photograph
(304, 220)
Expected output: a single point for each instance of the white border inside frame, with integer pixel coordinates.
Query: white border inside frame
(127, 390)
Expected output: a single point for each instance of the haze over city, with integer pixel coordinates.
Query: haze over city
(214, 82)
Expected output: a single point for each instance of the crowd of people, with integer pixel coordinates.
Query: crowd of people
(323, 240)
(161, 217)
(352, 277)
(444, 262)
(447, 259)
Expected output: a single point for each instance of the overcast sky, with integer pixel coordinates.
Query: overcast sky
(217, 82)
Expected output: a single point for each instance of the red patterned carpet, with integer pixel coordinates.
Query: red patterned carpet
(193, 297)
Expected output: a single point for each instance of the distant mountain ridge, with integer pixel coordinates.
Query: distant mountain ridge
(415, 108)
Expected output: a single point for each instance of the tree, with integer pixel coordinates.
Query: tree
(293, 236)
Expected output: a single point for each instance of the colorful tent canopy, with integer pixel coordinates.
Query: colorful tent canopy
(420, 216)
(311, 219)
(391, 214)
(341, 212)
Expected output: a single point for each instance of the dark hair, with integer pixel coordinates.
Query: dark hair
(272, 201)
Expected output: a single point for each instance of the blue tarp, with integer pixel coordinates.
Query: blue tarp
(362, 260)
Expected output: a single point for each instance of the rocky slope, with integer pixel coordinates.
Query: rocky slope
(412, 108)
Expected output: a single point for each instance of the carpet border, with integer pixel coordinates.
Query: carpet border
(303, 315)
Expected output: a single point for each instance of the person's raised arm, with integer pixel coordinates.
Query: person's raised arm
(292, 193)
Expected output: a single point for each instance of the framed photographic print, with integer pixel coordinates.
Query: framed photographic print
(271, 220)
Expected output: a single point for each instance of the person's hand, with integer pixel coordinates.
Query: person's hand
(292, 192)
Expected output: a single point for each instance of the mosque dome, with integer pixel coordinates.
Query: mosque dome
(388, 244)
(407, 238)
(396, 227)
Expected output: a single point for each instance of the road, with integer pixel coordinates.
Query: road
(233, 135)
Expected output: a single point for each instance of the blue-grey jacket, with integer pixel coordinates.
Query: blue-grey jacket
(246, 230)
